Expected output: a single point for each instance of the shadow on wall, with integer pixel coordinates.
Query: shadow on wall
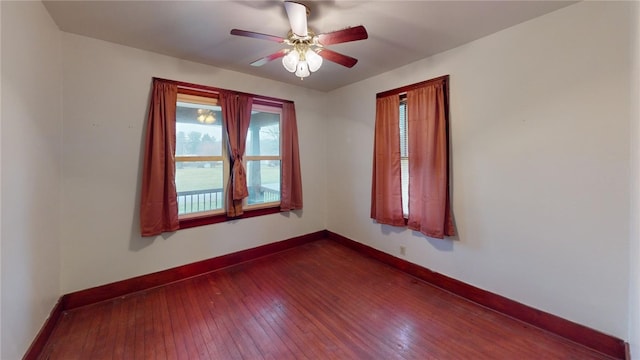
(445, 244)
(297, 213)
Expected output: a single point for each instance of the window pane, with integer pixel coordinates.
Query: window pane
(263, 181)
(404, 178)
(198, 130)
(199, 186)
(263, 138)
(403, 130)
(404, 160)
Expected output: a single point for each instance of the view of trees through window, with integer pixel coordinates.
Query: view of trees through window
(202, 165)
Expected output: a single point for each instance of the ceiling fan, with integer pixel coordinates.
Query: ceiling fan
(306, 49)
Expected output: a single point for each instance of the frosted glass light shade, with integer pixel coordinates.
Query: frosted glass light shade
(302, 69)
(290, 61)
(314, 60)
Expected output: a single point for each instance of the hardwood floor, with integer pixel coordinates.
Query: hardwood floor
(317, 301)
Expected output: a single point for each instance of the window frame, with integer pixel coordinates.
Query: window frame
(217, 216)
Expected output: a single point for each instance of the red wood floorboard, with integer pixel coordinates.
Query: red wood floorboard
(320, 300)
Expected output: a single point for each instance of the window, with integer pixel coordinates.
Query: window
(404, 156)
(410, 184)
(200, 156)
(191, 173)
(202, 161)
(262, 156)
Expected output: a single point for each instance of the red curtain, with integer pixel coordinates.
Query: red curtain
(429, 208)
(236, 114)
(386, 187)
(159, 204)
(291, 182)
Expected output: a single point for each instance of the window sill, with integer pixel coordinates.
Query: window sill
(215, 219)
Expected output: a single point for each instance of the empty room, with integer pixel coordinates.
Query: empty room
(320, 180)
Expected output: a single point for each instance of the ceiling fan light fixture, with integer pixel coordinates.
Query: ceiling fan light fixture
(314, 60)
(290, 61)
(302, 60)
(302, 69)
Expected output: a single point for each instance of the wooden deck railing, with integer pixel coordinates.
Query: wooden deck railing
(213, 199)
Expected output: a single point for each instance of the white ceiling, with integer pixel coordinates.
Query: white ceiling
(400, 32)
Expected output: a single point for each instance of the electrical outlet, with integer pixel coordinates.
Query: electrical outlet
(403, 250)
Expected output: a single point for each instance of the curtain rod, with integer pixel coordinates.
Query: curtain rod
(404, 89)
(215, 90)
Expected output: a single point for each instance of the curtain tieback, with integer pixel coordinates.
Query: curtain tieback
(239, 181)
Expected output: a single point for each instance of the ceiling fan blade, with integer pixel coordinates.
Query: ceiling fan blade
(344, 35)
(256, 35)
(337, 58)
(297, 14)
(271, 57)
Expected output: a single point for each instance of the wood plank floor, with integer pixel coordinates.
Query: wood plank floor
(317, 301)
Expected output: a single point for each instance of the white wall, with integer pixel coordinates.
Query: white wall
(634, 283)
(31, 178)
(540, 164)
(106, 94)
